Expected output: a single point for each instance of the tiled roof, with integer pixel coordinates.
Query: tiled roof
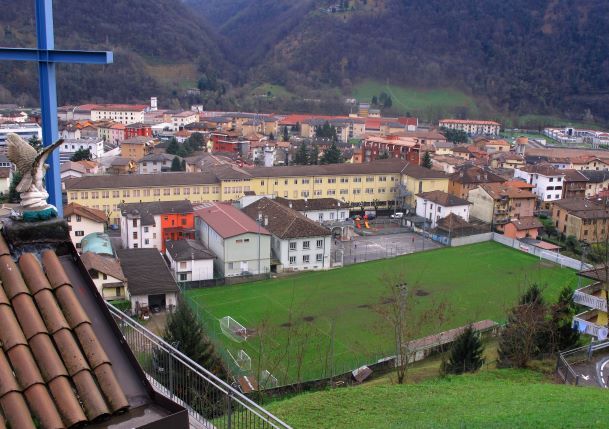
(452, 222)
(187, 250)
(140, 180)
(574, 176)
(313, 204)
(86, 212)
(469, 122)
(227, 220)
(500, 190)
(418, 172)
(284, 222)
(582, 208)
(104, 264)
(158, 157)
(596, 176)
(147, 211)
(376, 167)
(444, 199)
(53, 369)
(542, 169)
(73, 166)
(138, 140)
(119, 107)
(527, 223)
(146, 272)
(475, 175)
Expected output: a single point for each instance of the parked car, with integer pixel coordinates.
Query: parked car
(397, 215)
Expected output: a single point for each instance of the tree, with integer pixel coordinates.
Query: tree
(426, 161)
(35, 142)
(82, 155)
(383, 155)
(375, 101)
(186, 333)
(301, 157)
(271, 136)
(174, 147)
(313, 155)
(332, 155)
(466, 353)
(13, 195)
(176, 165)
(454, 136)
(196, 141)
(286, 136)
(565, 337)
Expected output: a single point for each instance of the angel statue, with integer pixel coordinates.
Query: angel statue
(31, 164)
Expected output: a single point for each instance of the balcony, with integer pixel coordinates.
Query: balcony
(591, 296)
(588, 323)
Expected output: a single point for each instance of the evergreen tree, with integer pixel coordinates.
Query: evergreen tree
(565, 337)
(82, 155)
(271, 136)
(196, 141)
(183, 165)
(175, 164)
(383, 155)
(375, 100)
(313, 155)
(533, 295)
(465, 353)
(332, 155)
(13, 195)
(174, 147)
(35, 142)
(301, 155)
(426, 161)
(286, 136)
(186, 333)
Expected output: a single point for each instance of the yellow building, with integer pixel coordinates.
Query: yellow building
(379, 184)
(593, 321)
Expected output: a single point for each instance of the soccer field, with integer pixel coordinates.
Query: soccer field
(313, 324)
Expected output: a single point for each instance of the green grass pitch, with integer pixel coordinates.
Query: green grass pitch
(328, 321)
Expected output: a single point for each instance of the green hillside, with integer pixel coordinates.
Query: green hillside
(490, 399)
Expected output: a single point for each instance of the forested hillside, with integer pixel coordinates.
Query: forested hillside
(158, 45)
(542, 56)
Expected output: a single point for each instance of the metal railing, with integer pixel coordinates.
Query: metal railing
(208, 399)
(567, 362)
(584, 296)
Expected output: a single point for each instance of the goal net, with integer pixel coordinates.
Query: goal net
(233, 329)
(267, 380)
(242, 360)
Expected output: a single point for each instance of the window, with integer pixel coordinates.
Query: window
(292, 260)
(292, 245)
(357, 191)
(305, 181)
(68, 218)
(135, 223)
(176, 191)
(157, 192)
(318, 180)
(357, 180)
(84, 195)
(73, 195)
(344, 191)
(183, 265)
(146, 241)
(306, 245)
(317, 192)
(382, 190)
(305, 259)
(382, 178)
(239, 241)
(344, 180)
(369, 191)
(183, 277)
(79, 233)
(166, 191)
(370, 179)
(126, 194)
(331, 191)
(183, 221)
(320, 217)
(296, 181)
(319, 257)
(320, 244)
(332, 180)
(145, 229)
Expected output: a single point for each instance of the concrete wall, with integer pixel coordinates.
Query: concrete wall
(471, 239)
(83, 227)
(483, 204)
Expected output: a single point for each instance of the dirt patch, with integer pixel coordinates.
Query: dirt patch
(286, 325)
(421, 292)
(364, 306)
(388, 301)
(308, 318)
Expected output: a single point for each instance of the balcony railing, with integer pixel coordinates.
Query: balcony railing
(208, 399)
(586, 296)
(586, 323)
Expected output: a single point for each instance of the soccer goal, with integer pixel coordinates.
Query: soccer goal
(242, 360)
(233, 329)
(267, 380)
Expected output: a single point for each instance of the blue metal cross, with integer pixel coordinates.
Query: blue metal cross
(47, 56)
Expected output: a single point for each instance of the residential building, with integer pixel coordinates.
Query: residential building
(151, 224)
(547, 181)
(242, 246)
(507, 160)
(298, 242)
(149, 281)
(593, 321)
(436, 205)
(526, 227)
(7, 169)
(111, 132)
(156, 163)
(380, 182)
(70, 147)
(449, 164)
(83, 221)
(136, 147)
(499, 203)
(574, 184)
(581, 218)
(121, 165)
(182, 118)
(107, 275)
(394, 146)
(586, 162)
(318, 209)
(189, 260)
(494, 146)
(122, 113)
(598, 181)
(138, 129)
(468, 178)
(24, 130)
(472, 127)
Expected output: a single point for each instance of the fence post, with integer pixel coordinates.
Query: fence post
(229, 409)
(577, 380)
(590, 351)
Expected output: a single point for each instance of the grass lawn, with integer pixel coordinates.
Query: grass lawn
(489, 399)
(331, 319)
(416, 100)
(275, 90)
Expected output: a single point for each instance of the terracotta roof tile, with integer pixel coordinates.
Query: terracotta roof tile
(49, 380)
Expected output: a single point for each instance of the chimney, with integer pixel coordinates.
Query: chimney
(266, 221)
(153, 104)
(290, 204)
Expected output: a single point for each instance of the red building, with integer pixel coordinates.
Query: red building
(395, 147)
(137, 130)
(229, 142)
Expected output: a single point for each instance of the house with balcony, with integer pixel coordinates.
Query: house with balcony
(575, 184)
(189, 260)
(436, 205)
(547, 181)
(593, 321)
(318, 209)
(468, 178)
(584, 219)
(499, 204)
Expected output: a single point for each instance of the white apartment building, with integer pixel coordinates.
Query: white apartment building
(155, 163)
(70, 147)
(548, 181)
(25, 131)
(319, 209)
(472, 127)
(298, 242)
(83, 221)
(436, 205)
(122, 113)
(189, 260)
(180, 119)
